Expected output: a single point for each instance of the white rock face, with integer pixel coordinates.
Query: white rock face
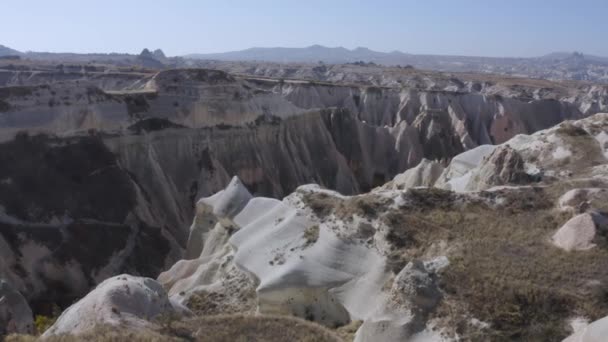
(576, 234)
(456, 176)
(210, 267)
(122, 300)
(222, 206)
(503, 166)
(15, 314)
(318, 276)
(333, 269)
(594, 332)
(424, 174)
(319, 268)
(573, 148)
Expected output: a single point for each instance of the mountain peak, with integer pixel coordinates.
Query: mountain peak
(146, 53)
(7, 51)
(159, 54)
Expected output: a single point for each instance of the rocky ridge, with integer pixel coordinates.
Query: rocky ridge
(416, 262)
(159, 158)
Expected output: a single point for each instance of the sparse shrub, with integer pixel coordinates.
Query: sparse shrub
(311, 234)
(42, 323)
(167, 322)
(320, 203)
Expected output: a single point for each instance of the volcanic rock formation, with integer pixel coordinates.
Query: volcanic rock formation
(118, 162)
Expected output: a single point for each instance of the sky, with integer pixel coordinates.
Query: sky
(512, 28)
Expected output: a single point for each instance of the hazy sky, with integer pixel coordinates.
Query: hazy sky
(460, 27)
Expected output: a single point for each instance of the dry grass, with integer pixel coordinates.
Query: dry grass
(320, 203)
(569, 129)
(101, 334)
(205, 303)
(586, 152)
(221, 328)
(369, 205)
(258, 328)
(347, 332)
(504, 272)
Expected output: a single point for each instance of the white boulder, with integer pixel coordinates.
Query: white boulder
(124, 300)
(576, 234)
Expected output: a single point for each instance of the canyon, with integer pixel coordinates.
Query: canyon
(104, 168)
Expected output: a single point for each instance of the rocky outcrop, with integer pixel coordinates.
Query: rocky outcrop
(571, 149)
(166, 139)
(271, 159)
(458, 172)
(121, 301)
(316, 252)
(149, 60)
(208, 279)
(299, 263)
(453, 121)
(15, 314)
(424, 174)
(395, 260)
(503, 166)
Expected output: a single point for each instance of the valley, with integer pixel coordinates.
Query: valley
(356, 197)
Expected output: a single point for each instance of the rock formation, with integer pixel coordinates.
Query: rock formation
(576, 234)
(123, 300)
(424, 174)
(335, 259)
(111, 172)
(15, 314)
(564, 151)
(392, 259)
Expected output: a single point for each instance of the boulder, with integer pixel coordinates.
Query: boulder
(124, 300)
(415, 286)
(15, 314)
(413, 296)
(503, 166)
(576, 234)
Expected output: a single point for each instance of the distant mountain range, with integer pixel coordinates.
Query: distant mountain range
(556, 66)
(316, 53)
(311, 54)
